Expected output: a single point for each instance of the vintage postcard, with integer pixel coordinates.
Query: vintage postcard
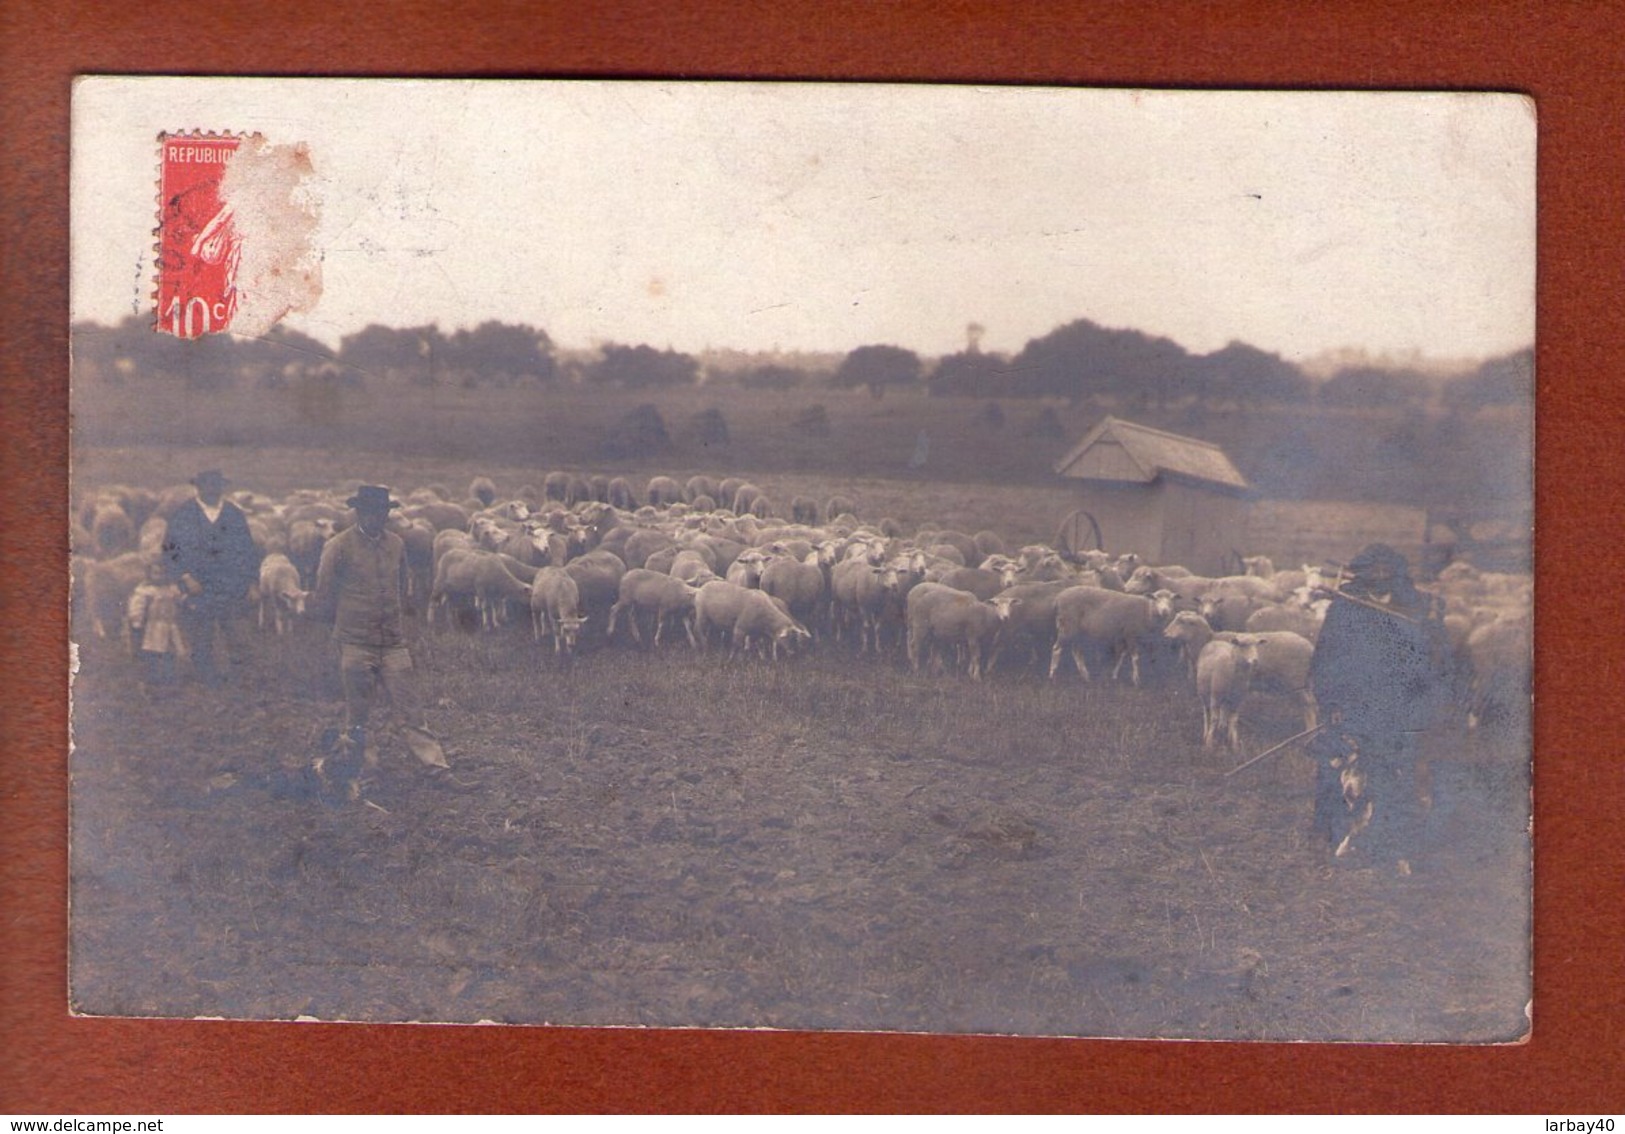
(1027, 561)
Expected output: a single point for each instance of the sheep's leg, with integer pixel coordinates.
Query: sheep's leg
(1081, 662)
(1054, 659)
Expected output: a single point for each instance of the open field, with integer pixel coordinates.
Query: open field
(668, 838)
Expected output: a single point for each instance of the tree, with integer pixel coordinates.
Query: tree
(417, 352)
(1507, 380)
(1245, 375)
(969, 373)
(495, 348)
(771, 377)
(640, 367)
(1371, 387)
(1083, 359)
(877, 367)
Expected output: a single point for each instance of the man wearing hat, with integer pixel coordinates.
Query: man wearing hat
(210, 553)
(1378, 676)
(359, 586)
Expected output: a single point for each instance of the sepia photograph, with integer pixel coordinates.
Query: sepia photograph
(846, 557)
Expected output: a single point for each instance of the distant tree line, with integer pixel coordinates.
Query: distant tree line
(1079, 361)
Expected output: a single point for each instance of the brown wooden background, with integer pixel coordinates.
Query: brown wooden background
(1568, 55)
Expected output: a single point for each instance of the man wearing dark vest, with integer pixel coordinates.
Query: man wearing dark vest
(210, 553)
(359, 587)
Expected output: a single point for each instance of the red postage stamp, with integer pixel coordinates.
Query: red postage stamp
(235, 220)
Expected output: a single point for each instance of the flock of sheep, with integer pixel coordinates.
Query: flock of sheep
(587, 561)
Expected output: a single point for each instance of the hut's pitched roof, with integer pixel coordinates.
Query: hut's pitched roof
(1123, 451)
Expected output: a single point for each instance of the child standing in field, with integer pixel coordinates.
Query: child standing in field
(153, 613)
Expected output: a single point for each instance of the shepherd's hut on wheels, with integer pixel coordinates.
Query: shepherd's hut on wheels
(1168, 498)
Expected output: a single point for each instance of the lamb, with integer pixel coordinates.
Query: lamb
(940, 615)
(281, 597)
(1224, 672)
(1095, 616)
(643, 591)
(555, 609)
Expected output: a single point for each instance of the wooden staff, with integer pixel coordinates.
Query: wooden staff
(1305, 734)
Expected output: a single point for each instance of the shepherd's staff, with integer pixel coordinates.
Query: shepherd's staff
(1305, 734)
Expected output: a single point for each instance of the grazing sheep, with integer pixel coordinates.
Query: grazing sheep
(799, 583)
(496, 589)
(1148, 580)
(306, 538)
(555, 609)
(1229, 610)
(716, 608)
(744, 498)
(442, 515)
(482, 489)
(984, 584)
(1093, 616)
(663, 492)
(1301, 620)
(661, 596)
(693, 565)
(1223, 675)
(597, 576)
(746, 569)
(281, 597)
(840, 506)
(108, 584)
(763, 619)
(987, 543)
(698, 486)
(1028, 610)
(1500, 655)
(111, 530)
(621, 494)
(579, 490)
(642, 543)
(556, 486)
(858, 588)
(939, 615)
(804, 510)
(1281, 658)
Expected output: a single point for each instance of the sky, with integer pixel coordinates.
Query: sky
(823, 217)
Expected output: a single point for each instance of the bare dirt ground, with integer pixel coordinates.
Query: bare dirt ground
(833, 842)
(829, 843)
